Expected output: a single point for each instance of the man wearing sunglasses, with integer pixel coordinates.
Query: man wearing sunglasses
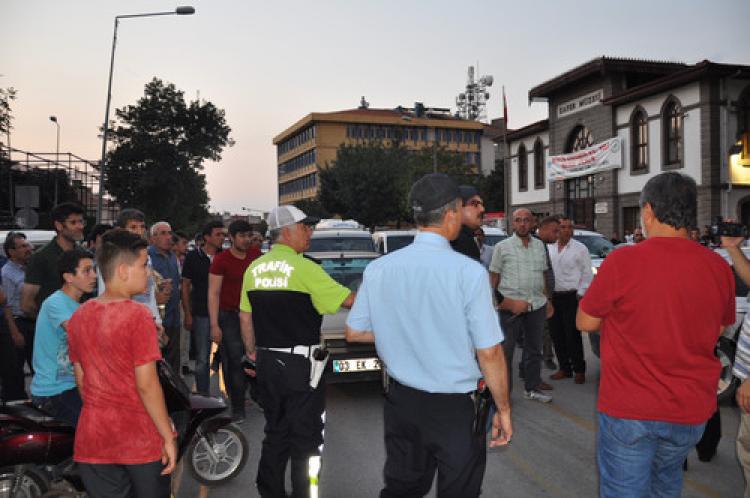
(472, 210)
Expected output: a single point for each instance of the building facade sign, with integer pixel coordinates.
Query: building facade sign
(580, 103)
(599, 157)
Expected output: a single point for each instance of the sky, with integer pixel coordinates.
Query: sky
(268, 64)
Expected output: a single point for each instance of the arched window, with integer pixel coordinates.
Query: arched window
(580, 138)
(538, 164)
(579, 191)
(639, 142)
(523, 169)
(671, 119)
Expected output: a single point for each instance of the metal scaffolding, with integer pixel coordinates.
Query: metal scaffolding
(67, 179)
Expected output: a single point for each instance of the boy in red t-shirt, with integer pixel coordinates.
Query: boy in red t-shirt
(124, 443)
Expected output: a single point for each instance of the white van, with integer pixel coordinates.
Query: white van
(390, 240)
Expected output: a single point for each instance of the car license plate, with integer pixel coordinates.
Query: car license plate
(356, 365)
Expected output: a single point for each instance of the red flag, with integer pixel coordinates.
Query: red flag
(505, 109)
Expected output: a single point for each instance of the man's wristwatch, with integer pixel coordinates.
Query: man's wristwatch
(530, 308)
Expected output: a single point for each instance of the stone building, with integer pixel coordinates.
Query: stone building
(615, 123)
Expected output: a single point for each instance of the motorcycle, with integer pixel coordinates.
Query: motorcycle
(36, 451)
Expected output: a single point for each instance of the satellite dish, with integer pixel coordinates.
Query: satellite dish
(27, 218)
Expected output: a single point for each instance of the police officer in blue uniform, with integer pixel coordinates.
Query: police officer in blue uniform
(429, 311)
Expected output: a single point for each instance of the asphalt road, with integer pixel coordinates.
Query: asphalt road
(552, 453)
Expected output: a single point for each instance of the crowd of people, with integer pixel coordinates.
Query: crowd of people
(90, 319)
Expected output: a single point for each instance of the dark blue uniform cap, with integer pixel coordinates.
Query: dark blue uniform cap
(432, 191)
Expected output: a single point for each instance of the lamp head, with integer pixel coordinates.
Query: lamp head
(53, 119)
(184, 10)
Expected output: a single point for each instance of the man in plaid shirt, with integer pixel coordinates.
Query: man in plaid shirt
(742, 360)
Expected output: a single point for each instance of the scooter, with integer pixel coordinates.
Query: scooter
(36, 451)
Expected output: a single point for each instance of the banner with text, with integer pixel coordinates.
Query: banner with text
(599, 157)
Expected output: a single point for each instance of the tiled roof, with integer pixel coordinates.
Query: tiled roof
(691, 73)
(533, 128)
(601, 65)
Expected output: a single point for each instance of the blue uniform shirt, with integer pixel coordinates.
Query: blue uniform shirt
(429, 308)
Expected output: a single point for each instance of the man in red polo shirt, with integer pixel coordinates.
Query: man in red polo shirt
(660, 306)
(224, 286)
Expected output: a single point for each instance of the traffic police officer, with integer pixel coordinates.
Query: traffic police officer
(283, 297)
(429, 310)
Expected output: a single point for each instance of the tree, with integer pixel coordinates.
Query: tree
(366, 183)
(492, 188)
(6, 117)
(313, 207)
(429, 159)
(371, 182)
(162, 143)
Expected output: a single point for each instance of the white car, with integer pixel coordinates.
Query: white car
(391, 240)
(341, 241)
(493, 235)
(597, 244)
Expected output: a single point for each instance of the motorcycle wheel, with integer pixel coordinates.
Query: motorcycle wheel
(33, 483)
(725, 352)
(218, 456)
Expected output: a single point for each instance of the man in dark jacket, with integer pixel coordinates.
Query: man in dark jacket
(472, 210)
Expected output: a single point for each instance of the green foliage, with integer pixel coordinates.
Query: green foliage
(370, 182)
(161, 145)
(6, 117)
(313, 207)
(492, 188)
(366, 183)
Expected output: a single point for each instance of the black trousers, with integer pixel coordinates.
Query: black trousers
(565, 336)
(12, 381)
(529, 329)
(171, 351)
(428, 432)
(125, 481)
(294, 422)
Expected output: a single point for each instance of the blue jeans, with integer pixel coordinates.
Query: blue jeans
(201, 333)
(642, 458)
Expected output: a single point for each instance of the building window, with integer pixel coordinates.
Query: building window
(639, 142)
(538, 164)
(672, 134)
(580, 138)
(743, 113)
(579, 192)
(523, 169)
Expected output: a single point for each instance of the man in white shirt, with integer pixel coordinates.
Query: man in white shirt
(572, 268)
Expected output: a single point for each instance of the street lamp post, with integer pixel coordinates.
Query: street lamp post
(181, 11)
(57, 152)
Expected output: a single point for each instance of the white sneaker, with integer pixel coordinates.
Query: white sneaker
(537, 396)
